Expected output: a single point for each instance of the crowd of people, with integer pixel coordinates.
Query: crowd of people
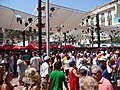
(96, 69)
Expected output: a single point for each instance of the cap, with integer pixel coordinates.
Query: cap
(46, 58)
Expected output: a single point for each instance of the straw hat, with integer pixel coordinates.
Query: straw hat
(103, 58)
(99, 55)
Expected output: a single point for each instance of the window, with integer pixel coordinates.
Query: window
(1, 41)
(109, 18)
(1, 35)
(109, 13)
(102, 15)
(87, 22)
(102, 19)
(92, 22)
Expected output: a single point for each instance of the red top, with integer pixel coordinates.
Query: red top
(73, 81)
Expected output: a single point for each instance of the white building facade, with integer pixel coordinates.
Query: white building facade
(109, 15)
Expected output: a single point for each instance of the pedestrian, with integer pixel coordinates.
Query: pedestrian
(1, 59)
(26, 57)
(21, 67)
(35, 61)
(106, 70)
(67, 66)
(57, 59)
(103, 83)
(1, 74)
(7, 78)
(33, 79)
(73, 76)
(57, 78)
(113, 78)
(11, 62)
(84, 65)
(82, 73)
(44, 72)
(88, 83)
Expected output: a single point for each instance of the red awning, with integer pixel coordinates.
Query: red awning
(17, 47)
(68, 47)
(31, 47)
(51, 47)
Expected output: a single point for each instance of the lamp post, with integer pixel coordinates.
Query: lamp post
(98, 29)
(47, 28)
(92, 36)
(39, 27)
(65, 39)
(23, 34)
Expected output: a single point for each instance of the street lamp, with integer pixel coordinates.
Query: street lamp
(98, 29)
(39, 27)
(92, 35)
(65, 38)
(47, 29)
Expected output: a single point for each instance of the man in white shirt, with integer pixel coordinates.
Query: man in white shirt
(44, 72)
(35, 61)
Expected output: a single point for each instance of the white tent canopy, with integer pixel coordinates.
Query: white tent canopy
(63, 17)
(8, 18)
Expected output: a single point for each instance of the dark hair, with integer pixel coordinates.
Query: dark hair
(58, 65)
(84, 62)
(34, 53)
(58, 57)
(71, 64)
(111, 62)
(68, 57)
(83, 72)
(6, 74)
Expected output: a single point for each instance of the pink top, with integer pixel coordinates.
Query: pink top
(104, 84)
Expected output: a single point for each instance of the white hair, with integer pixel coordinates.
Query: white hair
(96, 67)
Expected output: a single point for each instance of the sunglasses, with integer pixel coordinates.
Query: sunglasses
(95, 73)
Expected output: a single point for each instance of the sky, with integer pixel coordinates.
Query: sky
(28, 6)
